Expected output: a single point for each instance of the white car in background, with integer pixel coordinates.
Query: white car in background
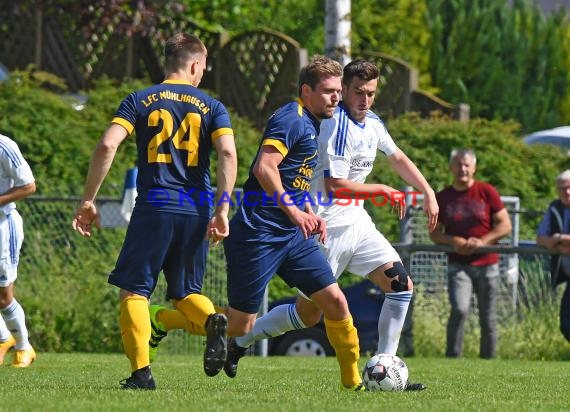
(558, 136)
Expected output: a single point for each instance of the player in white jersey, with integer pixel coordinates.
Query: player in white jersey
(16, 182)
(348, 144)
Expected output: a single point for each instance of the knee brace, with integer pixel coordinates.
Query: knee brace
(399, 276)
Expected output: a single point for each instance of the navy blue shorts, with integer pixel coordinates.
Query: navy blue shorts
(155, 241)
(253, 258)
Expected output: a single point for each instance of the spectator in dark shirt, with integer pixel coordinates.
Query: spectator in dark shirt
(554, 234)
(471, 215)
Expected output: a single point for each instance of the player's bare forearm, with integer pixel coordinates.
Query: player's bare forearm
(408, 171)
(267, 173)
(270, 181)
(86, 215)
(412, 175)
(98, 168)
(348, 189)
(226, 171)
(102, 159)
(17, 193)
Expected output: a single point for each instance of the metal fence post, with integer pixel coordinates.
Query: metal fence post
(262, 345)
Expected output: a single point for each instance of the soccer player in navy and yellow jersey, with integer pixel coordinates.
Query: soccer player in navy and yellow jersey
(273, 230)
(176, 127)
(293, 127)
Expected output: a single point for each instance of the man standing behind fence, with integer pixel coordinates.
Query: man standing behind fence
(471, 215)
(554, 234)
(176, 127)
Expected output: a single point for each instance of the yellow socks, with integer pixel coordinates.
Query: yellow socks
(196, 308)
(344, 339)
(175, 319)
(135, 330)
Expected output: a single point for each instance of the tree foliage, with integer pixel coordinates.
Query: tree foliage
(507, 61)
(504, 58)
(395, 27)
(301, 20)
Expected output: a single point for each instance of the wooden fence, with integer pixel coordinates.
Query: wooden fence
(254, 72)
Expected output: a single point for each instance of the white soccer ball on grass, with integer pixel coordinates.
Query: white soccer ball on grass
(384, 372)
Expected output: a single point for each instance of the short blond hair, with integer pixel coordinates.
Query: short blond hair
(319, 66)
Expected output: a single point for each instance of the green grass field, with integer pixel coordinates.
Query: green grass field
(89, 382)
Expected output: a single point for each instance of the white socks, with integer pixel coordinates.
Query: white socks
(277, 321)
(4, 332)
(15, 319)
(284, 318)
(391, 321)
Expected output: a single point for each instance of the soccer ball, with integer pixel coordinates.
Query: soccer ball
(384, 372)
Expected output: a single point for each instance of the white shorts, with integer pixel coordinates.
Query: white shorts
(11, 238)
(359, 248)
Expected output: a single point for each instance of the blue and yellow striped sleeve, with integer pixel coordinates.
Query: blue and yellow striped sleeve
(129, 127)
(278, 144)
(220, 132)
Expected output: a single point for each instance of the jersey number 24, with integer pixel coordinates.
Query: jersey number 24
(190, 125)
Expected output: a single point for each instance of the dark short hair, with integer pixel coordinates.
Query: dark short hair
(179, 49)
(360, 68)
(318, 67)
